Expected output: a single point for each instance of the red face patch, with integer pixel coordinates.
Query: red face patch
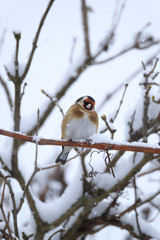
(89, 104)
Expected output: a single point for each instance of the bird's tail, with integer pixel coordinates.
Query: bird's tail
(62, 157)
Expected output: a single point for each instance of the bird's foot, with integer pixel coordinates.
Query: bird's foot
(89, 141)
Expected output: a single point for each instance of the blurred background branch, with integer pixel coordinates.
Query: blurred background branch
(43, 200)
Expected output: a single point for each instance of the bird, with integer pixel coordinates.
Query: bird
(79, 122)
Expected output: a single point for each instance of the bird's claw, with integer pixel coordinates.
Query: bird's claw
(89, 141)
(70, 140)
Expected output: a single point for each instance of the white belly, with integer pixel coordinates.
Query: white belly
(80, 129)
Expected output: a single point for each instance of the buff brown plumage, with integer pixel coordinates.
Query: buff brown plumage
(80, 122)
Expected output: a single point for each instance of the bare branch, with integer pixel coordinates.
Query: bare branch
(22, 94)
(2, 39)
(147, 100)
(53, 100)
(36, 40)
(112, 131)
(6, 89)
(85, 28)
(135, 209)
(148, 172)
(103, 146)
(53, 234)
(72, 49)
(120, 104)
(16, 63)
(14, 212)
(110, 163)
(129, 79)
(2, 209)
(107, 41)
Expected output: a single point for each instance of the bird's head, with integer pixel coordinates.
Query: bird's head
(86, 102)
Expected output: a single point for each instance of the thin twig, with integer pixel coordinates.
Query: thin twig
(131, 129)
(14, 211)
(5, 167)
(26, 189)
(135, 209)
(72, 49)
(54, 100)
(130, 208)
(112, 131)
(8, 94)
(2, 209)
(124, 51)
(16, 63)
(107, 41)
(2, 39)
(110, 163)
(24, 86)
(36, 156)
(129, 79)
(58, 231)
(36, 39)
(120, 104)
(153, 69)
(147, 100)
(85, 28)
(148, 172)
(155, 101)
(68, 160)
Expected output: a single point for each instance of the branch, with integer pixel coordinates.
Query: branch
(85, 28)
(88, 61)
(16, 63)
(71, 80)
(7, 91)
(36, 40)
(128, 79)
(141, 147)
(3, 211)
(14, 212)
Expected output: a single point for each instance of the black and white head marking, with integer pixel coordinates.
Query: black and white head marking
(87, 102)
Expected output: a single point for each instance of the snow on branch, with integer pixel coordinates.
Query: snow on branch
(97, 141)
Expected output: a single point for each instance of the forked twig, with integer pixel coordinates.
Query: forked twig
(36, 169)
(8, 94)
(120, 104)
(58, 231)
(110, 163)
(108, 127)
(53, 100)
(36, 40)
(2, 209)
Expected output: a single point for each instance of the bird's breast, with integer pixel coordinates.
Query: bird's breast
(80, 128)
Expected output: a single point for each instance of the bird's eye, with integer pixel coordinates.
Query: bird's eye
(88, 105)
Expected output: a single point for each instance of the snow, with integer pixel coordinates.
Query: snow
(153, 139)
(50, 211)
(37, 138)
(145, 227)
(6, 155)
(50, 70)
(102, 138)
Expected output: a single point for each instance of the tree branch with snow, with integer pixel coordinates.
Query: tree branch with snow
(113, 182)
(97, 141)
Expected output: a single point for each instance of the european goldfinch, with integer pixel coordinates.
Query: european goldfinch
(80, 122)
